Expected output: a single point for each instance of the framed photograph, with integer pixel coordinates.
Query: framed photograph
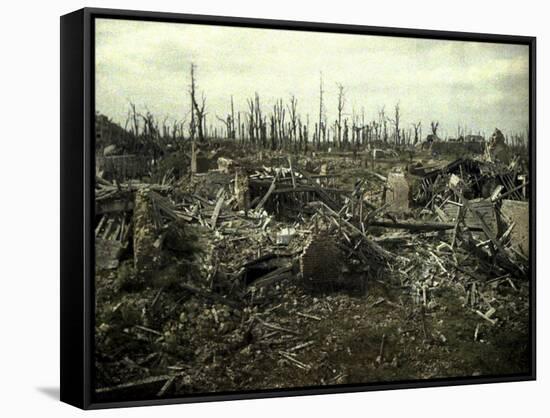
(257, 208)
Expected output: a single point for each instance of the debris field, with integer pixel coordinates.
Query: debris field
(235, 270)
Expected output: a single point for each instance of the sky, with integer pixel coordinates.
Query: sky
(481, 86)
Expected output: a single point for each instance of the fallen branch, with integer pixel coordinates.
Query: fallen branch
(297, 363)
(308, 316)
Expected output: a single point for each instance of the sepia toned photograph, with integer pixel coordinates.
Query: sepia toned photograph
(288, 209)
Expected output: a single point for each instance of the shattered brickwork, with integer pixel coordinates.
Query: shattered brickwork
(321, 260)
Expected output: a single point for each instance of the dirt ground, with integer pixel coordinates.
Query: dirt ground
(348, 337)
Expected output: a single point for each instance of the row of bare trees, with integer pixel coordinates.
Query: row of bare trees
(281, 127)
(285, 128)
(144, 134)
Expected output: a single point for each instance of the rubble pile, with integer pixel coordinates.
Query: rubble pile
(206, 281)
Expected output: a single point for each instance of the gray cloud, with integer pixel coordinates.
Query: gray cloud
(482, 85)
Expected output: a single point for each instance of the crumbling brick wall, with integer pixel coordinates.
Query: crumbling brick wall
(321, 260)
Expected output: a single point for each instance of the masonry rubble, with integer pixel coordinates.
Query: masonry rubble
(258, 197)
(259, 225)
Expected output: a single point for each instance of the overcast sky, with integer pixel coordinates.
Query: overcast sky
(480, 85)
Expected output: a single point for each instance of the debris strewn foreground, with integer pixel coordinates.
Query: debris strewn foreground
(266, 270)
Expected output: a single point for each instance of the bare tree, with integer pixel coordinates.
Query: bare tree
(434, 125)
(305, 133)
(229, 122)
(292, 112)
(259, 119)
(251, 121)
(232, 119)
(345, 136)
(364, 128)
(395, 122)
(132, 114)
(279, 122)
(321, 110)
(417, 131)
(376, 130)
(256, 121)
(198, 109)
(341, 104)
(178, 132)
(383, 123)
(151, 135)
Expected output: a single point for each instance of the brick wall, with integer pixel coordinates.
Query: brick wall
(321, 260)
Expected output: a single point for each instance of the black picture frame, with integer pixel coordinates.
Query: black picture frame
(77, 200)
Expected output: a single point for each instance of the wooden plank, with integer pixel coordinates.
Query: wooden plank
(291, 172)
(217, 210)
(483, 224)
(418, 226)
(262, 202)
(135, 386)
